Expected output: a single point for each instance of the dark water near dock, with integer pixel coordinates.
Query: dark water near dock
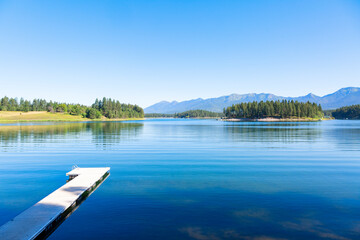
(191, 179)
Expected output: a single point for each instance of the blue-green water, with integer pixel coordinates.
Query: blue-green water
(192, 179)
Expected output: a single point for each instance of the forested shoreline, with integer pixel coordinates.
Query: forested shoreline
(348, 112)
(113, 109)
(198, 114)
(106, 107)
(187, 114)
(159, 115)
(274, 109)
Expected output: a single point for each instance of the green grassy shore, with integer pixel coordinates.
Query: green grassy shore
(43, 116)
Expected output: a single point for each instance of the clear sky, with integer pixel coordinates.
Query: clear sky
(146, 51)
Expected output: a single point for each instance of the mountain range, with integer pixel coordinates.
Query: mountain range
(343, 97)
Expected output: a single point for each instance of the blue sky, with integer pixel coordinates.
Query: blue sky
(146, 51)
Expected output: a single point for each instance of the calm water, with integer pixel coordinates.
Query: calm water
(192, 179)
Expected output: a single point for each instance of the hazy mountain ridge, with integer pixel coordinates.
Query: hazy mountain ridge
(343, 97)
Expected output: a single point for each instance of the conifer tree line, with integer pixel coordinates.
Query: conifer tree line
(159, 115)
(277, 109)
(198, 114)
(105, 107)
(114, 109)
(349, 112)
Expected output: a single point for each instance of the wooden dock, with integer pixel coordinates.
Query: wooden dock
(40, 220)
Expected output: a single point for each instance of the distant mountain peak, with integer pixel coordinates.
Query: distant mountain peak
(349, 90)
(311, 95)
(342, 97)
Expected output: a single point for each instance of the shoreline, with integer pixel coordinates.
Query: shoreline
(72, 120)
(41, 116)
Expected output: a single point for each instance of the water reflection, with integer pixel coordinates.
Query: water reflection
(345, 138)
(14, 134)
(286, 132)
(102, 133)
(106, 134)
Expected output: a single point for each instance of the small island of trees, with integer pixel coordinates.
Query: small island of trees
(106, 107)
(274, 109)
(349, 112)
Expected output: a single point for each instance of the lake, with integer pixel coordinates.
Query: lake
(191, 179)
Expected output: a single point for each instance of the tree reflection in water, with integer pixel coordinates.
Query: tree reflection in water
(101, 133)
